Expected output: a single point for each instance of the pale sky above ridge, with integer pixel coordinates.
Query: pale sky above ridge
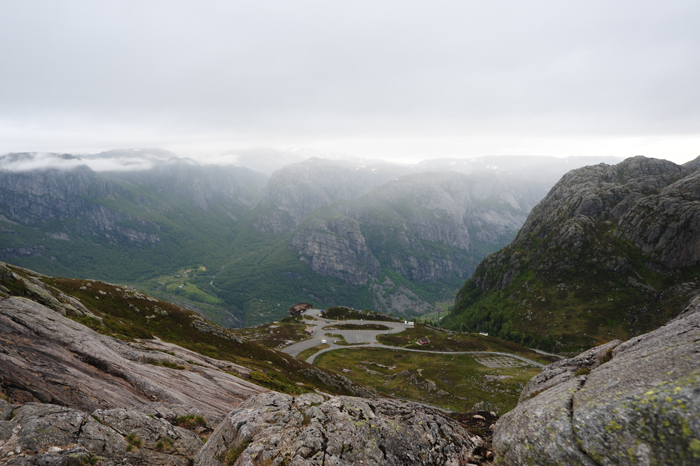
(394, 80)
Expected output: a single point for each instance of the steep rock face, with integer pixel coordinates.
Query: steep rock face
(314, 430)
(336, 248)
(598, 191)
(49, 358)
(297, 190)
(589, 195)
(29, 197)
(636, 402)
(427, 228)
(666, 226)
(619, 242)
(404, 220)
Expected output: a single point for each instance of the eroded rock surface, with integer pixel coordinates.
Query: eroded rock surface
(49, 358)
(640, 407)
(278, 429)
(336, 248)
(46, 435)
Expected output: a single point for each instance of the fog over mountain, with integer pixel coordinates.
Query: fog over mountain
(401, 81)
(335, 230)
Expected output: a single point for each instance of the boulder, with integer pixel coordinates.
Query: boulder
(311, 429)
(642, 406)
(46, 435)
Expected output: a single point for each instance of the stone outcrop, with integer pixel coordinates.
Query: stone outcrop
(666, 226)
(48, 435)
(630, 403)
(49, 358)
(585, 197)
(312, 429)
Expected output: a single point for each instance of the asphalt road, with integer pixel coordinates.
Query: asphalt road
(370, 338)
(351, 336)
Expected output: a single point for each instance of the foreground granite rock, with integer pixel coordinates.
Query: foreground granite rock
(275, 429)
(46, 435)
(628, 403)
(45, 357)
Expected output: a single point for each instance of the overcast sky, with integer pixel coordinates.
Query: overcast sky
(398, 80)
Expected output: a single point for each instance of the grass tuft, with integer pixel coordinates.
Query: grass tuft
(235, 452)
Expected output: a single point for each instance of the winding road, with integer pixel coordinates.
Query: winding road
(368, 339)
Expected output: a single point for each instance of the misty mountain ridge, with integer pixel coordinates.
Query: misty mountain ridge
(356, 232)
(610, 252)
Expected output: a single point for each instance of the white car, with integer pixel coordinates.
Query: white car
(323, 341)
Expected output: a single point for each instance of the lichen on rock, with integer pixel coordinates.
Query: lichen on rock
(640, 407)
(313, 429)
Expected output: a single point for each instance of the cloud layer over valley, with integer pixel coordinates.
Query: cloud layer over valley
(394, 80)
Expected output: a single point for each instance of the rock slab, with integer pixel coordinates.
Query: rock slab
(276, 429)
(628, 403)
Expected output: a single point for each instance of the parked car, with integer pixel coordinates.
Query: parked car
(323, 341)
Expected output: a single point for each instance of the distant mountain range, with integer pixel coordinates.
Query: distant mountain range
(611, 252)
(240, 245)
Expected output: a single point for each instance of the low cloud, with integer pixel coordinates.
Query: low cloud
(32, 161)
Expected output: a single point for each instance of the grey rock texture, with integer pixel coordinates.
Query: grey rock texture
(336, 248)
(49, 358)
(37, 291)
(428, 227)
(278, 429)
(588, 195)
(46, 434)
(666, 226)
(566, 369)
(640, 407)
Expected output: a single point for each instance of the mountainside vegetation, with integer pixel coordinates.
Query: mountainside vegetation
(124, 313)
(239, 246)
(129, 315)
(611, 252)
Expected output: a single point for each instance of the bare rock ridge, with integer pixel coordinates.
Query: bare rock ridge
(52, 359)
(630, 403)
(620, 241)
(312, 429)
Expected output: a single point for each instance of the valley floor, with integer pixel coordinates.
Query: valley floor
(444, 377)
